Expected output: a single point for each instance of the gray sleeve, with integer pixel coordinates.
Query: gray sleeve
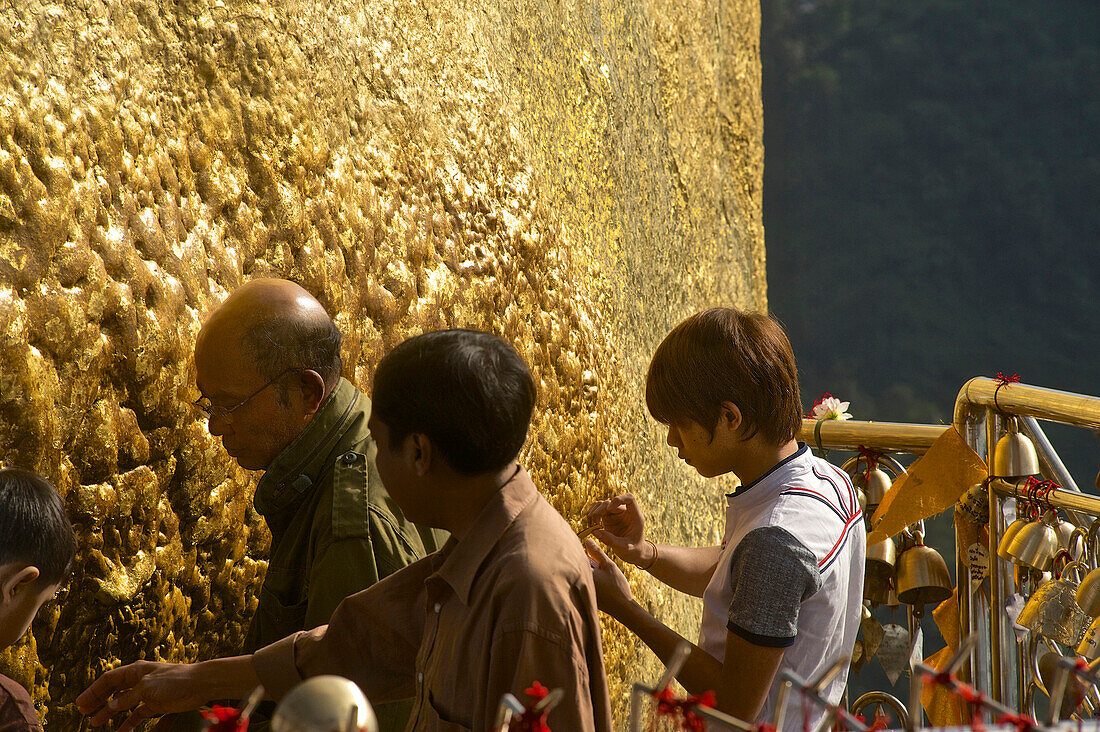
(771, 573)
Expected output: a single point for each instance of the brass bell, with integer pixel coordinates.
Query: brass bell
(878, 576)
(1090, 642)
(1071, 538)
(1052, 610)
(1010, 533)
(1088, 593)
(922, 575)
(1036, 544)
(874, 483)
(1015, 455)
(1048, 669)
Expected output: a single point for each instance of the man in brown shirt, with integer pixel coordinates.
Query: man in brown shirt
(506, 602)
(17, 712)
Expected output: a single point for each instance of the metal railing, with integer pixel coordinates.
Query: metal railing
(1000, 667)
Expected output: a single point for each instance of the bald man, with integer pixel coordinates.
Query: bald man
(268, 368)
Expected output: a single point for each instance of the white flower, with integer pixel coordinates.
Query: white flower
(829, 407)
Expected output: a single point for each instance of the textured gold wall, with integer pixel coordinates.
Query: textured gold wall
(575, 176)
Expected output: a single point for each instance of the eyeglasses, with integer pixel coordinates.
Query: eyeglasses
(208, 408)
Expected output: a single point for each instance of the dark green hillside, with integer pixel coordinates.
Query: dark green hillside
(932, 198)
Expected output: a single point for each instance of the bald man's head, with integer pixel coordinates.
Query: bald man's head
(279, 326)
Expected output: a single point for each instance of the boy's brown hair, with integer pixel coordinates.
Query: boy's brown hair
(721, 355)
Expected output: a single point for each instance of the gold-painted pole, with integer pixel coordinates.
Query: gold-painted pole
(996, 568)
(1066, 500)
(1026, 400)
(962, 593)
(834, 434)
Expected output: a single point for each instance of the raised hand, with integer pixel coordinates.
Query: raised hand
(623, 528)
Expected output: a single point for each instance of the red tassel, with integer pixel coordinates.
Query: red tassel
(683, 710)
(225, 719)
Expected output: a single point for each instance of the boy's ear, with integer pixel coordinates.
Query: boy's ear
(14, 578)
(730, 417)
(420, 453)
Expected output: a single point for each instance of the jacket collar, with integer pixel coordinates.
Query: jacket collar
(463, 558)
(295, 470)
(774, 473)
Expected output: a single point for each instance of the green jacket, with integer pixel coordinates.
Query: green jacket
(334, 529)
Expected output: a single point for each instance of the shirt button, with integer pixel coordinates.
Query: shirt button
(437, 607)
(420, 678)
(349, 458)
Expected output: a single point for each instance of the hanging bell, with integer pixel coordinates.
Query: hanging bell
(1088, 593)
(1036, 544)
(874, 483)
(1071, 539)
(1015, 455)
(1089, 647)
(1010, 533)
(1048, 669)
(1052, 610)
(922, 575)
(878, 576)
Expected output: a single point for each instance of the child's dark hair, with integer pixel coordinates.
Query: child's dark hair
(721, 355)
(34, 527)
(469, 392)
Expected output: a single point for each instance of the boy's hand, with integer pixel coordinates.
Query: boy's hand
(612, 590)
(149, 689)
(623, 527)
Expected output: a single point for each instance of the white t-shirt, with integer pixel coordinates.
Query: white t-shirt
(790, 575)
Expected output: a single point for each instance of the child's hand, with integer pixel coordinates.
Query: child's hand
(612, 590)
(623, 527)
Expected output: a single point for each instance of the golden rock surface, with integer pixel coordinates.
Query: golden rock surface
(576, 177)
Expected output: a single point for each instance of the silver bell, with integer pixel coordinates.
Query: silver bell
(1015, 455)
(324, 704)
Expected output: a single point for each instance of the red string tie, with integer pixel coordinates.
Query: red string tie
(871, 457)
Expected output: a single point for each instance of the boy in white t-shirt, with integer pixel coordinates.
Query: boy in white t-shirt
(784, 589)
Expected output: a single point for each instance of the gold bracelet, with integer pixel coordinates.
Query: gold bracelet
(655, 557)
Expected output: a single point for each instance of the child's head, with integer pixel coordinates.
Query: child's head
(37, 546)
(725, 355)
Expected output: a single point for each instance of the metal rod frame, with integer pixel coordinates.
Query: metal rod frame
(979, 409)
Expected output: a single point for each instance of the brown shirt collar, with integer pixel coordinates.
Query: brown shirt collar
(461, 560)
